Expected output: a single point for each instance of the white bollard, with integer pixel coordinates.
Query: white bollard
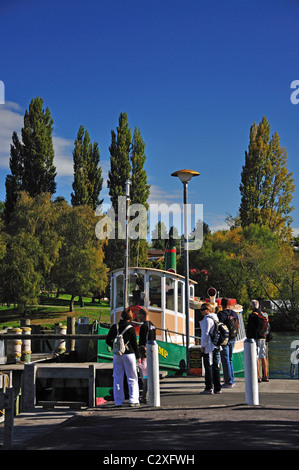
(153, 373)
(251, 378)
(60, 344)
(14, 346)
(26, 345)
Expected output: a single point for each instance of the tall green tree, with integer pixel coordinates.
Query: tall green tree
(119, 173)
(266, 185)
(119, 160)
(88, 179)
(31, 160)
(127, 160)
(140, 191)
(159, 236)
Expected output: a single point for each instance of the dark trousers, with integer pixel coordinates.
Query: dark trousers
(212, 372)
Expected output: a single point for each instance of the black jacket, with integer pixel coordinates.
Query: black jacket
(223, 315)
(129, 336)
(147, 333)
(252, 325)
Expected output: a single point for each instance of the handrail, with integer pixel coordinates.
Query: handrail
(82, 336)
(169, 331)
(51, 336)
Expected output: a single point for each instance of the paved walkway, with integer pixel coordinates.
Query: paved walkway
(185, 421)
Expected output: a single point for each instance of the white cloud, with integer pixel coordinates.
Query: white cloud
(63, 159)
(215, 221)
(159, 195)
(11, 120)
(105, 165)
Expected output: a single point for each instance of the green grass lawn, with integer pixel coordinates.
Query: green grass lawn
(53, 310)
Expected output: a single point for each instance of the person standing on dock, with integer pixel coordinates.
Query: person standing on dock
(257, 329)
(210, 351)
(125, 363)
(147, 330)
(231, 320)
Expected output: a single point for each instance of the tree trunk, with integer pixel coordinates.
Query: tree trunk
(72, 303)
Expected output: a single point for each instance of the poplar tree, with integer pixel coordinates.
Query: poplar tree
(140, 191)
(118, 175)
(31, 160)
(127, 164)
(266, 185)
(119, 160)
(88, 179)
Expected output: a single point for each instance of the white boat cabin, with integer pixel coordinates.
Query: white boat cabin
(162, 293)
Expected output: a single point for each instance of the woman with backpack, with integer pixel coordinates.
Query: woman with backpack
(210, 351)
(123, 335)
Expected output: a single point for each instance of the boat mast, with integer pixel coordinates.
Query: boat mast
(126, 280)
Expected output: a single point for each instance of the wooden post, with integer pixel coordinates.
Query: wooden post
(9, 418)
(91, 386)
(70, 344)
(29, 387)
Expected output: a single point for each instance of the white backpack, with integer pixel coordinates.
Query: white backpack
(119, 346)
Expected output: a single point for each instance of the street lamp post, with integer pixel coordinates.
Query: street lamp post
(185, 176)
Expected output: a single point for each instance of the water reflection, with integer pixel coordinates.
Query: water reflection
(280, 353)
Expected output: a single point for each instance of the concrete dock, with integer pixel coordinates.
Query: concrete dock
(184, 421)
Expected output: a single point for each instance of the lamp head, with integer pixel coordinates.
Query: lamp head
(185, 175)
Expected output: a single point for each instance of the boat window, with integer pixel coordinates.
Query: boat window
(136, 289)
(155, 291)
(191, 291)
(119, 291)
(180, 296)
(170, 286)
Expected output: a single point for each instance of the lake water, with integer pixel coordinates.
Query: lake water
(280, 350)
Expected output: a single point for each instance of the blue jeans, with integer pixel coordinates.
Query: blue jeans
(212, 372)
(227, 362)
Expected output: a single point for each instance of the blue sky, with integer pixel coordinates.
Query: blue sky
(193, 76)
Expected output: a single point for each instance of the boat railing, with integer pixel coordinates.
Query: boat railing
(168, 334)
(242, 332)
